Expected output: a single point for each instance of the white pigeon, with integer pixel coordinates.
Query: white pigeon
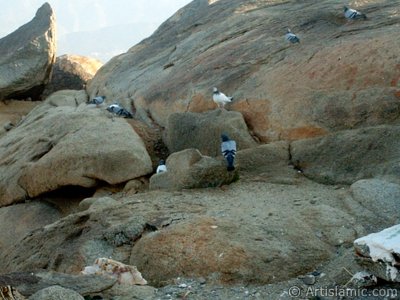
(291, 37)
(97, 100)
(353, 14)
(220, 98)
(161, 167)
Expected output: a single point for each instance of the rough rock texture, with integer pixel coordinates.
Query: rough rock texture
(76, 241)
(248, 214)
(56, 292)
(71, 72)
(380, 253)
(203, 131)
(63, 146)
(342, 75)
(190, 169)
(27, 56)
(349, 155)
(12, 111)
(378, 195)
(32, 282)
(17, 221)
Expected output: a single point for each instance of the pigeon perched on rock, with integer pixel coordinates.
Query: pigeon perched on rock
(119, 110)
(161, 167)
(291, 37)
(228, 149)
(97, 100)
(353, 14)
(220, 98)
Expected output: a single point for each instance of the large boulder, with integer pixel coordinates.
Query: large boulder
(378, 195)
(219, 249)
(190, 169)
(349, 155)
(27, 56)
(342, 75)
(71, 72)
(203, 131)
(63, 146)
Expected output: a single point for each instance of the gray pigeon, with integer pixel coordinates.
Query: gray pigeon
(291, 37)
(97, 100)
(119, 110)
(228, 149)
(353, 14)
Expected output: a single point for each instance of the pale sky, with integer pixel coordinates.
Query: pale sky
(81, 24)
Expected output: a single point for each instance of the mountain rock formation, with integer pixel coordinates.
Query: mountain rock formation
(27, 56)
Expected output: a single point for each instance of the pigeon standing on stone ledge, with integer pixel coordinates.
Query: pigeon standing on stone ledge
(291, 37)
(119, 110)
(220, 98)
(228, 149)
(161, 167)
(353, 14)
(97, 100)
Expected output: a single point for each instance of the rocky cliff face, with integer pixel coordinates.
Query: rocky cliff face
(27, 56)
(71, 72)
(342, 75)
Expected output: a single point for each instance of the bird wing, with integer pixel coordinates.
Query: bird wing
(228, 147)
(221, 98)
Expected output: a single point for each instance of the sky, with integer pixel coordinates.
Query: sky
(96, 28)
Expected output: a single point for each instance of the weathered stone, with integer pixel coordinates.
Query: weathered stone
(64, 146)
(96, 203)
(380, 196)
(380, 253)
(190, 169)
(129, 292)
(204, 247)
(71, 72)
(32, 282)
(12, 111)
(349, 155)
(27, 56)
(362, 280)
(75, 241)
(56, 292)
(16, 221)
(67, 98)
(344, 75)
(203, 131)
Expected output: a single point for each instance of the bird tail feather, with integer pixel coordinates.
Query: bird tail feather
(230, 158)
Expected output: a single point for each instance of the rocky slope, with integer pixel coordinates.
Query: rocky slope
(342, 75)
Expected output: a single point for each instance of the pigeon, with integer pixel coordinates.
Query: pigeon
(97, 100)
(353, 14)
(228, 149)
(220, 98)
(161, 167)
(291, 37)
(119, 110)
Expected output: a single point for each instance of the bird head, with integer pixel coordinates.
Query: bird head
(224, 137)
(161, 162)
(215, 90)
(345, 8)
(288, 30)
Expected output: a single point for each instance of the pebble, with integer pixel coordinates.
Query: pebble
(308, 279)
